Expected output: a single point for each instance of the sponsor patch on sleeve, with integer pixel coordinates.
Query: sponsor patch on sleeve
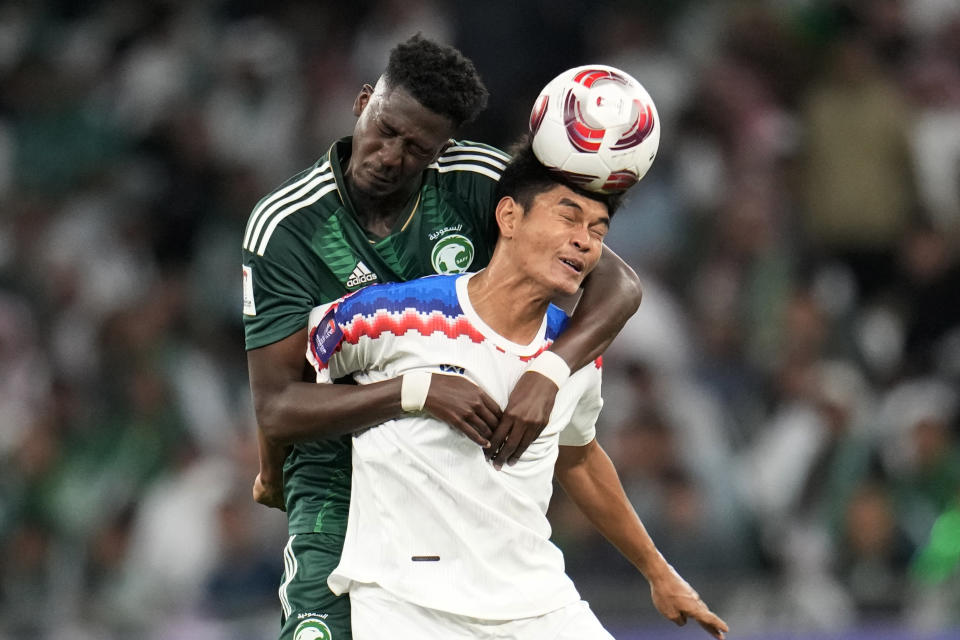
(326, 337)
(249, 307)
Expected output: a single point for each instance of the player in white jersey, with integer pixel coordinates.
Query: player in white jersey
(440, 543)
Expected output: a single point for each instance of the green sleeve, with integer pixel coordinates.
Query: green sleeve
(284, 290)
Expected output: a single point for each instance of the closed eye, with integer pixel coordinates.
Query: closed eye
(420, 151)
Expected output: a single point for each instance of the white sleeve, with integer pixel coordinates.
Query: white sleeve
(330, 355)
(319, 359)
(582, 428)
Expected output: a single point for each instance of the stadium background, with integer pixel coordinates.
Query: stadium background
(783, 408)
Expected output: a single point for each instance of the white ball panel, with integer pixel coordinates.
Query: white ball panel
(612, 110)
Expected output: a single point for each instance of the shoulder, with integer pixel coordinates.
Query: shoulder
(430, 293)
(313, 189)
(557, 322)
(467, 159)
(390, 308)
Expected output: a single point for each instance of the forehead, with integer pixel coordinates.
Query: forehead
(397, 107)
(563, 196)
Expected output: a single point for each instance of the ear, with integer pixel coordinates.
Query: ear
(363, 99)
(508, 213)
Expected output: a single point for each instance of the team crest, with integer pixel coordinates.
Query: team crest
(452, 254)
(312, 629)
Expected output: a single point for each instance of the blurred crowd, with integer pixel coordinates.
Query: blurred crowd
(783, 409)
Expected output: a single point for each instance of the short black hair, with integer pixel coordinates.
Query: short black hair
(439, 77)
(526, 177)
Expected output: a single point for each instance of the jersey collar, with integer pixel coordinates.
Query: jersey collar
(522, 350)
(339, 154)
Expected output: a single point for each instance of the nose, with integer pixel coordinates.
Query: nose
(391, 153)
(580, 238)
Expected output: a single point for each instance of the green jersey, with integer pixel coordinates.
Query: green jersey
(303, 247)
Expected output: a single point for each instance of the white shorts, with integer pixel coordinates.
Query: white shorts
(377, 614)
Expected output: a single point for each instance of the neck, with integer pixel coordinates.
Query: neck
(379, 215)
(518, 318)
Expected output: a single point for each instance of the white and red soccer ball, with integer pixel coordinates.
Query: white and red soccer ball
(597, 126)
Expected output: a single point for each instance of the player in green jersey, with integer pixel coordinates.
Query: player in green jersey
(398, 200)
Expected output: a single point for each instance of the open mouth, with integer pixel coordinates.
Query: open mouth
(576, 265)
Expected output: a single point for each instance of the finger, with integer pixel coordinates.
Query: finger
(470, 431)
(508, 447)
(680, 619)
(499, 435)
(529, 435)
(481, 427)
(489, 419)
(715, 631)
(713, 623)
(492, 407)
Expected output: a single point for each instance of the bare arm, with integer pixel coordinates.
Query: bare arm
(268, 485)
(590, 479)
(289, 409)
(611, 294)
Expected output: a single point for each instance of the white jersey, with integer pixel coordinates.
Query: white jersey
(430, 519)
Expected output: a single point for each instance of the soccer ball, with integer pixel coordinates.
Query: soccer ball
(597, 126)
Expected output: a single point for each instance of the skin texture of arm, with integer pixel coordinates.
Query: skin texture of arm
(588, 476)
(611, 294)
(289, 409)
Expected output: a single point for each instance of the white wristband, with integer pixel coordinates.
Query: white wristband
(552, 366)
(414, 389)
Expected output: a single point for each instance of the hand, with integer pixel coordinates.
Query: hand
(527, 412)
(268, 494)
(463, 405)
(677, 601)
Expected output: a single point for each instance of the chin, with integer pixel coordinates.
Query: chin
(567, 287)
(373, 189)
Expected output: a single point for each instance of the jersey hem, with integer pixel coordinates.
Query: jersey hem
(503, 615)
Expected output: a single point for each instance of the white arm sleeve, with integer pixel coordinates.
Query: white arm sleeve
(330, 355)
(582, 427)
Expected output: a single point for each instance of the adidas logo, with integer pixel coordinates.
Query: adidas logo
(361, 275)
